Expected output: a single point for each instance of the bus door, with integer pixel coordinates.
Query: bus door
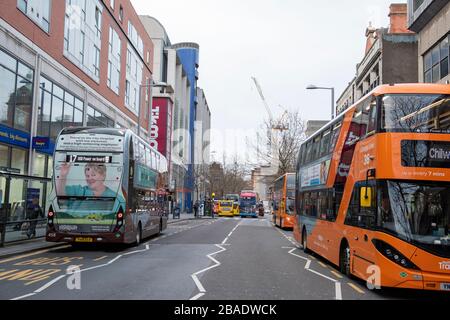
(361, 216)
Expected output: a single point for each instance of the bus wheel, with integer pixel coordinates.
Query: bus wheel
(305, 241)
(138, 235)
(344, 263)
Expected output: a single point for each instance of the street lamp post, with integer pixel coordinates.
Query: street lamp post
(313, 87)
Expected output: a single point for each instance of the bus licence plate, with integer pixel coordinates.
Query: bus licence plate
(84, 240)
(445, 286)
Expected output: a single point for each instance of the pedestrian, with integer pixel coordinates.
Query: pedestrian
(34, 211)
(196, 208)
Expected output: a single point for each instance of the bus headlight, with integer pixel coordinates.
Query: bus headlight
(394, 255)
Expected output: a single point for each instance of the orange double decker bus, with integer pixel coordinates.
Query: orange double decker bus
(284, 201)
(373, 188)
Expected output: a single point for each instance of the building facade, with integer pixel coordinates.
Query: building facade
(64, 63)
(390, 57)
(189, 56)
(430, 19)
(262, 179)
(202, 139)
(171, 107)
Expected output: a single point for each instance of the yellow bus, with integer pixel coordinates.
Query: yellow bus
(235, 199)
(225, 208)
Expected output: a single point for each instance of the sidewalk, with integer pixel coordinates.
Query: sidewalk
(27, 246)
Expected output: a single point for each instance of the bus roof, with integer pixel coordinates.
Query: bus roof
(248, 194)
(403, 88)
(97, 130)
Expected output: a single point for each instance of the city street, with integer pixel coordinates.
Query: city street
(204, 259)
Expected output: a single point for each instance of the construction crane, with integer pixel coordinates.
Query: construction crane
(261, 94)
(274, 127)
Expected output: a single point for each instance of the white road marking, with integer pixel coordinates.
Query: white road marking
(229, 235)
(338, 290)
(194, 275)
(49, 284)
(25, 296)
(201, 294)
(337, 284)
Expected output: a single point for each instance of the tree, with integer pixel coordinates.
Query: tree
(228, 179)
(281, 139)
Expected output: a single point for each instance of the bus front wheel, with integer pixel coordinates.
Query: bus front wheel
(305, 241)
(344, 264)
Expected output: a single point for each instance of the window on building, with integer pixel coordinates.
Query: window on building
(38, 11)
(98, 21)
(96, 64)
(436, 62)
(58, 109)
(417, 4)
(114, 61)
(96, 118)
(16, 93)
(136, 40)
(121, 13)
(127, 92)
(82, 35)
(134, 77)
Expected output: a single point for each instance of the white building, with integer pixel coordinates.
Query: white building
(169, 131)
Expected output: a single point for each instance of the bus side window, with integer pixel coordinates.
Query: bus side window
(372, 117)
(316, 148)
(324, 144)
(334, 136)
(308, 151)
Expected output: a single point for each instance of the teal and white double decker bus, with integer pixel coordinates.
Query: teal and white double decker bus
(109, 186)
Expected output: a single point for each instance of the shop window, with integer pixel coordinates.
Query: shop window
(23, 104)
(19, 160)
(4, 154)
(7, 89)
(39, 163)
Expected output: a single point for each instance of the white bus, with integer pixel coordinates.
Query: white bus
(109, 186)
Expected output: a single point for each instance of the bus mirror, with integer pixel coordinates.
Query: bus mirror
(366, 197)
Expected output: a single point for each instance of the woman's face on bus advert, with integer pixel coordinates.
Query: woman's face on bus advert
(95, 178)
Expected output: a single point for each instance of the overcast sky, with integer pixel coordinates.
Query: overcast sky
(285, 44)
